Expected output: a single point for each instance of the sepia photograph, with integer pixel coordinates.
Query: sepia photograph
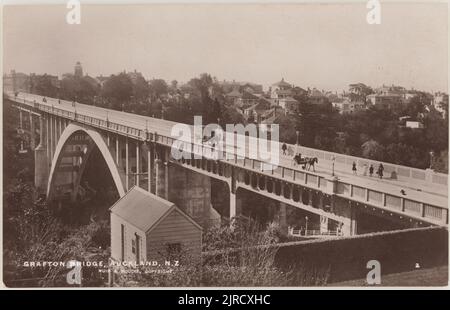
(224, 145)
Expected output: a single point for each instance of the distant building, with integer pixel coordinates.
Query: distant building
(101, 79)
(289, 104)
(317, 97)
(382, 100)
(146, 227)
(78, 72)
(347, 106)
(414, 124)
(281, 95)
(134, 76)
(16, 81)
(440, 103)
(257, 110)
(392, 90)
(242, 100)
(229, 86)
(280, 90)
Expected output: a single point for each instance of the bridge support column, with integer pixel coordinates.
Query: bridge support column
(41, 160)
(32, 133)
(138, 169)
(323, 224)
(47, 134)
(160, 178)
(117, 151)
(52, 137)
(349, 225)
(282, 218)
(20, 119)
(166, 173)
(150, 167)
(127, 166)
(235, 205)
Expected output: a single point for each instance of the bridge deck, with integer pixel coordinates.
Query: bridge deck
(418, 191)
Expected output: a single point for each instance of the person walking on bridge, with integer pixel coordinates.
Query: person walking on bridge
(284, 148)
(380, 171)
(354, 168)
(371, 170)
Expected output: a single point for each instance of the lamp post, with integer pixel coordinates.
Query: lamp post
(431, 159)
(297, 132)
(306, 225)
(333, 159)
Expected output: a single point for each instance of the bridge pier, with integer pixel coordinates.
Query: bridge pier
(235, 205)
(41, 165)
(32, 133)
(282, 218)
(20, 119)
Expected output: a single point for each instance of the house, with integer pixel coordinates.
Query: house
(440, 102)
(146, 227)
(15, 81)
(280, 90)
(257, 110)
(229, 86)
(347, 106)
(387, 101)
(289, 104)
(414, 124)
(317, 97)
(233, 95)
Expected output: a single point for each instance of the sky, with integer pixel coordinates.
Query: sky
(326, 46)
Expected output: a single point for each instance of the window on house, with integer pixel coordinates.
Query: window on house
(122, 232)
(133, 246)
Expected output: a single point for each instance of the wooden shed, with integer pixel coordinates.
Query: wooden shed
(145, 227)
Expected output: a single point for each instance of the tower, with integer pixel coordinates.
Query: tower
(78, 70)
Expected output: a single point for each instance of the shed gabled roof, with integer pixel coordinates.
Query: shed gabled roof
(144, 210)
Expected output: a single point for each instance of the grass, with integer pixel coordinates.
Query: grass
(436, 276)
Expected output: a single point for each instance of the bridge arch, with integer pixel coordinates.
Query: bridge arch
(93, 139)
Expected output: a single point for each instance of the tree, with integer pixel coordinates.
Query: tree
(373, 150)
(141, 89)
(158, 87)
(82, 89)
(118, 90)
(43, 85)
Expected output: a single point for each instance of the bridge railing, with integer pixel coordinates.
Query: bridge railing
(417, 209)
(395, 203)
(426, 176)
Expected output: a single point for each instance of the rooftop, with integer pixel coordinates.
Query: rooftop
(282, 83)
(143, 209)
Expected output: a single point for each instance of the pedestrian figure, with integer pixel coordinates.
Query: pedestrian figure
(44, 99)
(284, 148)
(380, 171)
(371, 170)
(354, 168)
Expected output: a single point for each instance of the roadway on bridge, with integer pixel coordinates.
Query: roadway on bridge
(436, 195)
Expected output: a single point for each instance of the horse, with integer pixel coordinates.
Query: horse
(310, 161)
